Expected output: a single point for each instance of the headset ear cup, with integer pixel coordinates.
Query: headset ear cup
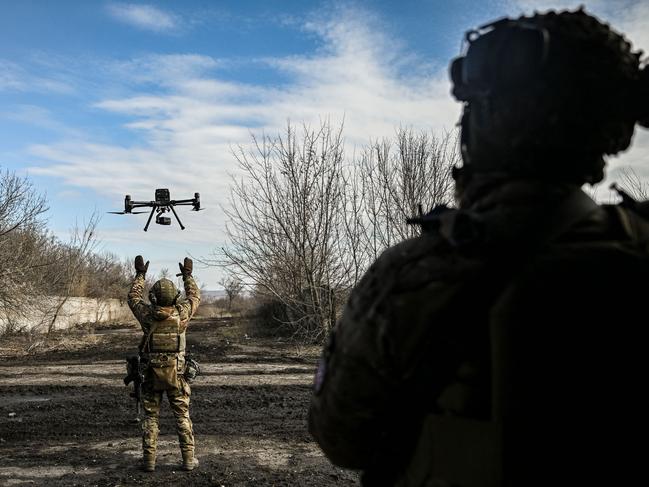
(459, 90)
(152, 298)
(176, 298)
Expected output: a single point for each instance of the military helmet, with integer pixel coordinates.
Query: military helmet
(548, 95)
(164, 293)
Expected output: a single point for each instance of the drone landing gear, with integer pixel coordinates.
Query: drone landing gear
(160, 219)
(182, 227)
(146, 227)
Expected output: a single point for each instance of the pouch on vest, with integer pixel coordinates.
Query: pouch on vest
(164, 342)
(163, 370)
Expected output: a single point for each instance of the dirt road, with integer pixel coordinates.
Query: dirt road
(66, 418)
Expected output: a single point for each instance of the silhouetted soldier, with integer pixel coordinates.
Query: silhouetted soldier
(503, 346)
(164, 322)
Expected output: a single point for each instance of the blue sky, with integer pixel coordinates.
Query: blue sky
(99, 99)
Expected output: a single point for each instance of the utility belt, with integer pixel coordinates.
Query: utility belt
(167, 368)
(159, 360)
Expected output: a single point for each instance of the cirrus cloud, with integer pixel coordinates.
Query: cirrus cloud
(145, 17)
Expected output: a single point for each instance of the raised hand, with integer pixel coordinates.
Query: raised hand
(186, 268)
(140, 266)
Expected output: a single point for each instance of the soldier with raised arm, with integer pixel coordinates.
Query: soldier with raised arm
(162, 348)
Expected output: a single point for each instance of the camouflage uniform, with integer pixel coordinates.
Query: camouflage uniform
(163, 346)
(418, 341)
(504, 346)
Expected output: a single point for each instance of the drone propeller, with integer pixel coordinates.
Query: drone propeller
(198, 209)
(124, 213)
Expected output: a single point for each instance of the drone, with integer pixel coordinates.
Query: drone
(162, 204)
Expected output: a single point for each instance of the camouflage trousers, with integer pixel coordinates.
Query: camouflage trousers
(179, 402)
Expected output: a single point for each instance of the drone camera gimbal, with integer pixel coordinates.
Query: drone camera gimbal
(164, 220)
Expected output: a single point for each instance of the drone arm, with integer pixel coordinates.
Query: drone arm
(146, 227)
(195, 202)
(176, 215)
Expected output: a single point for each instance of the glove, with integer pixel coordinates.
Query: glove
(140, 266)
(186, 268)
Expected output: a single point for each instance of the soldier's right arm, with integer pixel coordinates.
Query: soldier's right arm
(136, 299)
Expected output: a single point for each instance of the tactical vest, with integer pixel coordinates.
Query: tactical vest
(539, 425)
(164, 349)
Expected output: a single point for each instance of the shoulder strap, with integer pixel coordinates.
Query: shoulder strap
(145, 341)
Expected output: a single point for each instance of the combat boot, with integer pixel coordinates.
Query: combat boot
(148, 463)
(190, 462)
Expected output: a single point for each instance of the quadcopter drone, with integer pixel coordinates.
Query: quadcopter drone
(162, 204)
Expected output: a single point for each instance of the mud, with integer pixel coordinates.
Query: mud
(67, 419)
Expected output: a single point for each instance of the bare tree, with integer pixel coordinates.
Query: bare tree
(20, 205)
(68, 279)
(39, 272)
(286, 221)
(106, 276)
(304, 225)
(233, 288)
(22, 243)
(398, 177)
(631, 182)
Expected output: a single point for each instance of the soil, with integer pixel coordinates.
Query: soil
(66, 417)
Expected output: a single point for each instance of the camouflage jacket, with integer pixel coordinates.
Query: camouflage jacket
(416, 335)
(148, 314)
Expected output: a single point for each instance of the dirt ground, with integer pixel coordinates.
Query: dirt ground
(66, 417)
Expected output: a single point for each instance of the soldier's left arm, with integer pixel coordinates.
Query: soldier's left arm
(193, 298)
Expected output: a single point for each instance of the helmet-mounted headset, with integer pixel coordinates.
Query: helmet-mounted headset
(502, 55)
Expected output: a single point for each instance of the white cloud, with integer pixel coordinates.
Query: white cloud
(158, 69)
(10, 78)
(145, 17)
(188, 125)
(15, 78)
(37, 116)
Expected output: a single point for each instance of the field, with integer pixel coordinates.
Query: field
(66, 417)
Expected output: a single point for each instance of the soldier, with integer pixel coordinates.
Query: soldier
(503, 346)
(162, 348)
